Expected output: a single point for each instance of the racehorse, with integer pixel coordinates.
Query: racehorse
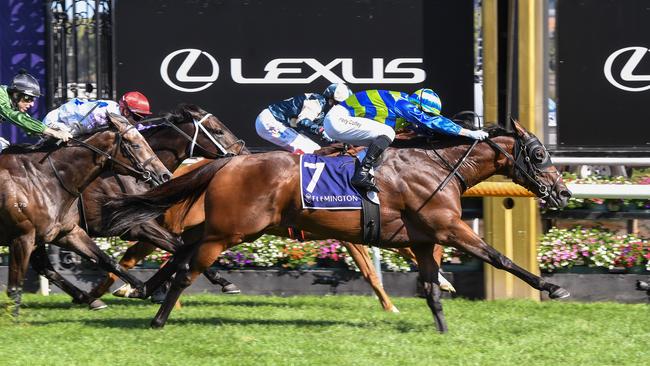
(186, 132)
(246, 196)
(40, 185)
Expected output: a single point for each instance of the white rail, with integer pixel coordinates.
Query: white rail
(628, 191)
(562, 160)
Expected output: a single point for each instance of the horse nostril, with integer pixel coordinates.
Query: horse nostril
(565, 194)
(166, 176)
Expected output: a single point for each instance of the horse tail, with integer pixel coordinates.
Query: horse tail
(130, 210)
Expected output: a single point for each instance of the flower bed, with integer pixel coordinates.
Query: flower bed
(565, 248)
(274, 252)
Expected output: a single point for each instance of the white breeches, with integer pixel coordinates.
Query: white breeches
(276, 132)
(4, 143)
(360, 131)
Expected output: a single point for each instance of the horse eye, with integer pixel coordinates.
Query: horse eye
(136, 146)
(539, 155)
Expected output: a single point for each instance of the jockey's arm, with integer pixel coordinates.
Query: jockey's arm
(423, 121)
(311, 108)
(20, 119)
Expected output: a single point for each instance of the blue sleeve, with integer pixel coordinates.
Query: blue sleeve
(423, 121)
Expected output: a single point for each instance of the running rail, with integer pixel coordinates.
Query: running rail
(508, 189)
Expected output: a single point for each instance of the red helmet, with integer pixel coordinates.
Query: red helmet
(136, 102)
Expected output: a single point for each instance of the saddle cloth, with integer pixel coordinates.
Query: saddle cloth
(325, 183)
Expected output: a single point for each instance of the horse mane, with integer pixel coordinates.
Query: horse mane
(183, 112)
(47, 144)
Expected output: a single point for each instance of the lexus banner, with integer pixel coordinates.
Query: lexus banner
(604, 74)
(234, 58)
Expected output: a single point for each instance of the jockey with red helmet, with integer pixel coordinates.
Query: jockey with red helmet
(16, 100)
(81, 115)
(293, 123)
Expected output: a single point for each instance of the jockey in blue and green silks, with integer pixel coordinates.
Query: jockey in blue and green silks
(370, 118)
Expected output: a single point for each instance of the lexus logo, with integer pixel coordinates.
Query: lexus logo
(626, 73)
(191, 56)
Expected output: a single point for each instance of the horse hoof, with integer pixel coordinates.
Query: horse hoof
(124, 291)
(394, 309)
(97, 304)
(156, 324)
(560, 293)
(231, 289)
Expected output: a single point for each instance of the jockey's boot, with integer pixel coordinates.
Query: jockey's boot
(362, 178)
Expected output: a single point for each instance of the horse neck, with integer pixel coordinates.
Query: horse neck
(484, 161)
(78, 166)
(170, 146)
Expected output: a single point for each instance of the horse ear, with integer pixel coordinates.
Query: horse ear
(118, 121)
(521, 131)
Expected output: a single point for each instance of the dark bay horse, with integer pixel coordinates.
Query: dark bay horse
(40, 185)
(174, 137)
(246, 196)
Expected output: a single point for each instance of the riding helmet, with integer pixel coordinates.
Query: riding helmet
(427, 100)
(26, 84)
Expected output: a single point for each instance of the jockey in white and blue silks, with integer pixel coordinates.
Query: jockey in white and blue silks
(370, 118)
(79, 116)
(287, 123)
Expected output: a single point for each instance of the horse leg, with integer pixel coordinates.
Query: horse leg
(360, 255)
(429, 279)
(215, 278)
(41, 264)
(461, 236)
(134, 254)
(194, 235)
(438, 251)
(78, 241)
(203, 257)
(20, 251)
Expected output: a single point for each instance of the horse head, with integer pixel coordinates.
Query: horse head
(206, 134)
(531, 166)
(133, 155)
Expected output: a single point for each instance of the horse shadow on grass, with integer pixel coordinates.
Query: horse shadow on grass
(143, 323)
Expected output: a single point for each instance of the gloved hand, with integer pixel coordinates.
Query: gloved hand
(59, 135)
(475, 134)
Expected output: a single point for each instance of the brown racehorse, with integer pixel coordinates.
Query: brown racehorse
(195, 217)
(40, 185)
(246, 196)
(175, 137)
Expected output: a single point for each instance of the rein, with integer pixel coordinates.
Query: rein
(454, 171)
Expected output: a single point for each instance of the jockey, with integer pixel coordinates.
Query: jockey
(280, 122)
(16, 99)
(370, 118)
(80, 115)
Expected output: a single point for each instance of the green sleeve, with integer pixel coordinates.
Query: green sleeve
(20, 119)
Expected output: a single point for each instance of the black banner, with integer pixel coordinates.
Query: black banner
(604, 74)
(234, 58)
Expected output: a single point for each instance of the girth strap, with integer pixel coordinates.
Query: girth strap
(74, 193)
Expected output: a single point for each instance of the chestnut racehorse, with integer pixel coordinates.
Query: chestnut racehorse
(246, 196)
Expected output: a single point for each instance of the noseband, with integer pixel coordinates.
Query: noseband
(198, 126)
(530, 161)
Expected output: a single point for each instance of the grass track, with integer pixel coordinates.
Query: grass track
(332, 330)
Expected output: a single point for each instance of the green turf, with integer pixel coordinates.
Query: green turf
(331, 330)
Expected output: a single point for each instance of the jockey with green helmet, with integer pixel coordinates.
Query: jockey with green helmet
(371, 117)
(16, 99)
(294, 123)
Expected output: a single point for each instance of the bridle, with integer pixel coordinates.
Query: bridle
(530, 161)
(139, 169)
(198, 127)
